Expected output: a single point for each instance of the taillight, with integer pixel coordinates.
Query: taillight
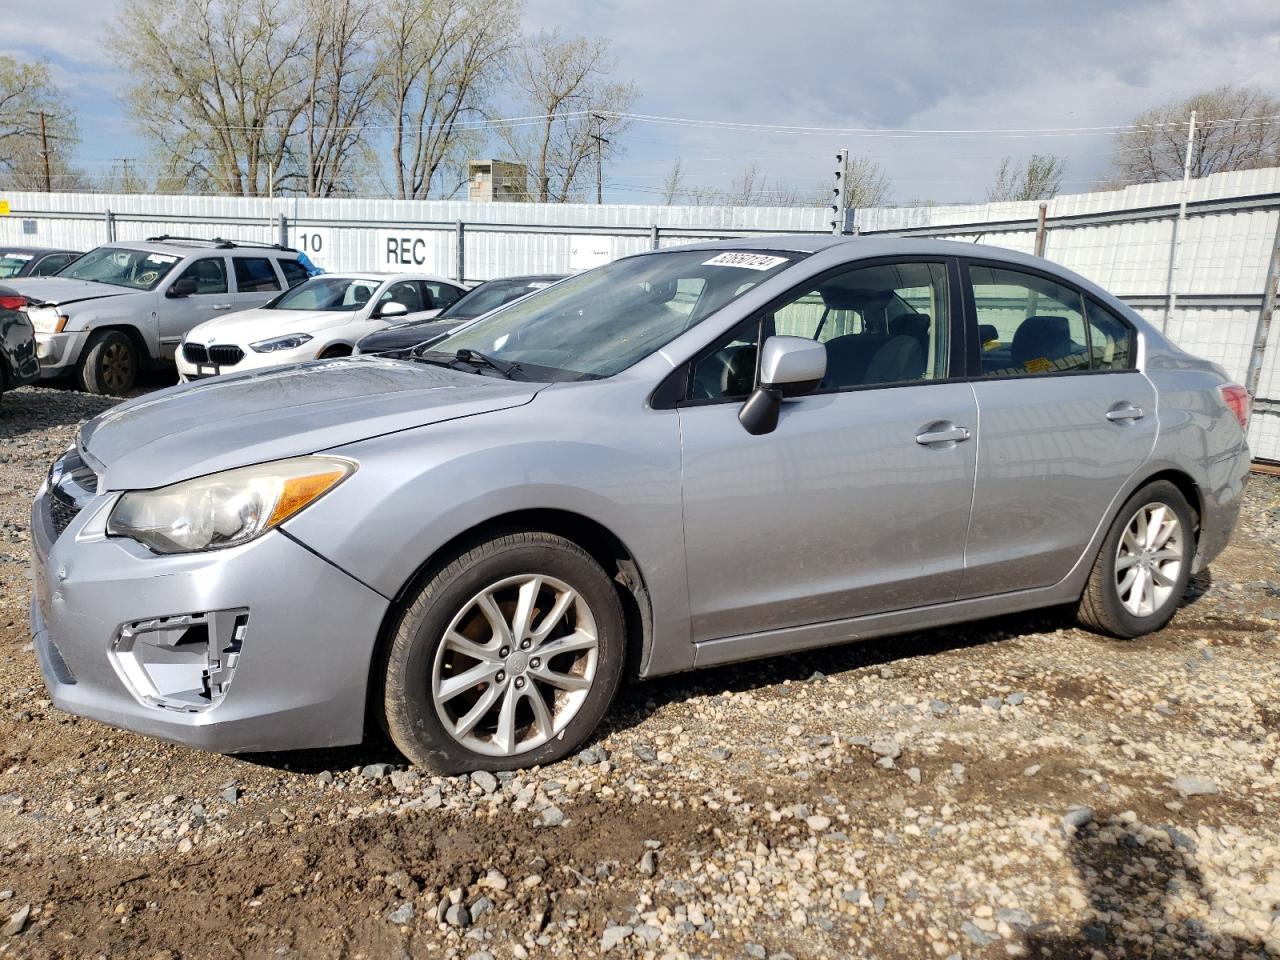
(12, 301)
(1237, 398)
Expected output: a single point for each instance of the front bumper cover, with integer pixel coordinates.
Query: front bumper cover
(301, 673)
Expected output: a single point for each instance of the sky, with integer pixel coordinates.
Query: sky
(900, 68)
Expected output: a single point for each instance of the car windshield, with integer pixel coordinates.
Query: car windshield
(328, 293)
(121, 267)
(11, 264)
(598, 323)
(491, 295)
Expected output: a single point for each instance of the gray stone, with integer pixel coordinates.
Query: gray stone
(993, 702)
(938, 708)
(644, 753)
(482, 906)
(649, 933)
(1015, 918)
(913, 773)
(614, 936)
(458, 915)
(485, 780)
(401, 914)
(756, 952)
(648, 865)
(376, 771)
(721, 753)
(230, 793)
(1179, 839)
(17, 922)
(886, 747)
(1189, 786)
(324, 776)
(553, 816)
(1078, 816)
(1015, 699)
(406, 781)
(977, 937)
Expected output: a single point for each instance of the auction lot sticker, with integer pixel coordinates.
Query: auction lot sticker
(400, 250)
(747, 261)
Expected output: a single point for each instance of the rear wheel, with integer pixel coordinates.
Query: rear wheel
(1144, 563)
(109, 364)
(507, 657)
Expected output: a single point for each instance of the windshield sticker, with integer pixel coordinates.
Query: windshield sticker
(17, 256)
(161, 258)
(746, 261)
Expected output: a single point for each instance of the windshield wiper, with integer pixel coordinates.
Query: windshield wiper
(472, 358)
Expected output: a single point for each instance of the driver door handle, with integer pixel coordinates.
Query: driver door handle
(1124, 411)
(222, 306)
(943, 433)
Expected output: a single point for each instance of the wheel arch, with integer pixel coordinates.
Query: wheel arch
(604, 546)
(129, 330)
(1186, 485)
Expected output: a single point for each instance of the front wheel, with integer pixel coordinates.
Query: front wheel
(1142, 569)
(507, 657)
(110, 364)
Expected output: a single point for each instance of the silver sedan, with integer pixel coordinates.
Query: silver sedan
(687, 457)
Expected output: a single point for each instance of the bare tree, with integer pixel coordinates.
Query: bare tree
(339, 95)
(1237, 128)
(437, 61)
(219, 86)
(867, 183)
(1039, 178)
(27, 92)
(673, 185)
(578, 111)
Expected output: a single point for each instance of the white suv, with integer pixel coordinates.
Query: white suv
(321, 318)
(127, 305)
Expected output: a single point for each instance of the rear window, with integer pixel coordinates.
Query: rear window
(255, 274)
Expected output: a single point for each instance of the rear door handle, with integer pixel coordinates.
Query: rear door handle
(942, 433)
(1124, 411)
(222, 306)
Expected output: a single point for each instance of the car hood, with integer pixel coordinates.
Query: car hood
(401, 336)
(232, 421)
(61, 290)
(250, 326)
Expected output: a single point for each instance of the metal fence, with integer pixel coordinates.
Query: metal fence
(1192, 258)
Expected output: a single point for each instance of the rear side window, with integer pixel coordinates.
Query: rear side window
(294, 272)
(255, 274)
(51, 265)
(1110, 338)
(1027, 324)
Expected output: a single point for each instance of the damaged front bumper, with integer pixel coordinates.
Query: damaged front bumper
(265, 646)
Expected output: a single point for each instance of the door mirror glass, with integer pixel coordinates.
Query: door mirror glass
(792, 365)
(392, 308)
(182, 287)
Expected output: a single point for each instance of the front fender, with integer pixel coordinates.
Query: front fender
(136, 313)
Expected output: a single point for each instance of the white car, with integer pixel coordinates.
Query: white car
(323, 317)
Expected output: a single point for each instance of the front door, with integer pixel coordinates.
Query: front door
(177, 315)
(858, 502)
(1066, 419)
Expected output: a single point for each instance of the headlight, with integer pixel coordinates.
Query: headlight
(46, 319)
(287, 342)
(224, 509)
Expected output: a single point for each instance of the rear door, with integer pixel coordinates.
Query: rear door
(256, 280)
(858, 502)
(1065, 419)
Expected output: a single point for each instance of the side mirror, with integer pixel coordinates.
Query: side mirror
(182, 287)
(392, 308)
(789, 367)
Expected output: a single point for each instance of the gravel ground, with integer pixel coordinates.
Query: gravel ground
(1015, 787)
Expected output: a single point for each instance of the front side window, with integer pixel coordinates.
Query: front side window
(122, 267)
(1027, 324)
(881, 324)
(329, 293)
(598, 323)
(1110, 339)
(441, 294)
(406, 292)
(209, 273)
(255, 275)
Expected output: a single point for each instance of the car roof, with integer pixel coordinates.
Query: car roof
(184, 248)
(526, 278)
(35, 251)
(379, 276)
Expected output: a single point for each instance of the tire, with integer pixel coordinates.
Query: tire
(1148, 604)
(109, 364)
(427, 718)
(337, 350)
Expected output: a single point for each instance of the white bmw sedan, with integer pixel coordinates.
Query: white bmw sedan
(320, 318)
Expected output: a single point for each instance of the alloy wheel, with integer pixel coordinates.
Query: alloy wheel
(1149, 559)
(515, 665)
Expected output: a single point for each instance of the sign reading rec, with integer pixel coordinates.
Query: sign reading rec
(404, 249)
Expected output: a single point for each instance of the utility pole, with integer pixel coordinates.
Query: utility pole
(44, 149)
(840, 194)
(125, 180)
(1175, 246)
(600, 142)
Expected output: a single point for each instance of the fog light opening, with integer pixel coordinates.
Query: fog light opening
(183, 663)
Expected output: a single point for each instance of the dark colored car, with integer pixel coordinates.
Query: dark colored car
(18, 363)
(487, 296)
(33, 261)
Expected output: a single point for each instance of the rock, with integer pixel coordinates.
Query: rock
(1077, 817)
(644, 753)
(401, 914)
(376, 771)
(458, 915)
(1032, 770)
(885, 747)
(1179, 839)
(817, 823)
(1016, 699)
(485, 780)
(913, 773)
(648, 865)
(938, 708)
(756, 952)
(1188, 786)
(1014, 918)
(406, 781)
(976, 936)
(995, 703)
(493, 880)
(482, 906)
(17, 922)
(721, 753)
(958, 772)
(614, 936)
(325, 777)
(648, 933)
(230, 793)
(553, 816)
